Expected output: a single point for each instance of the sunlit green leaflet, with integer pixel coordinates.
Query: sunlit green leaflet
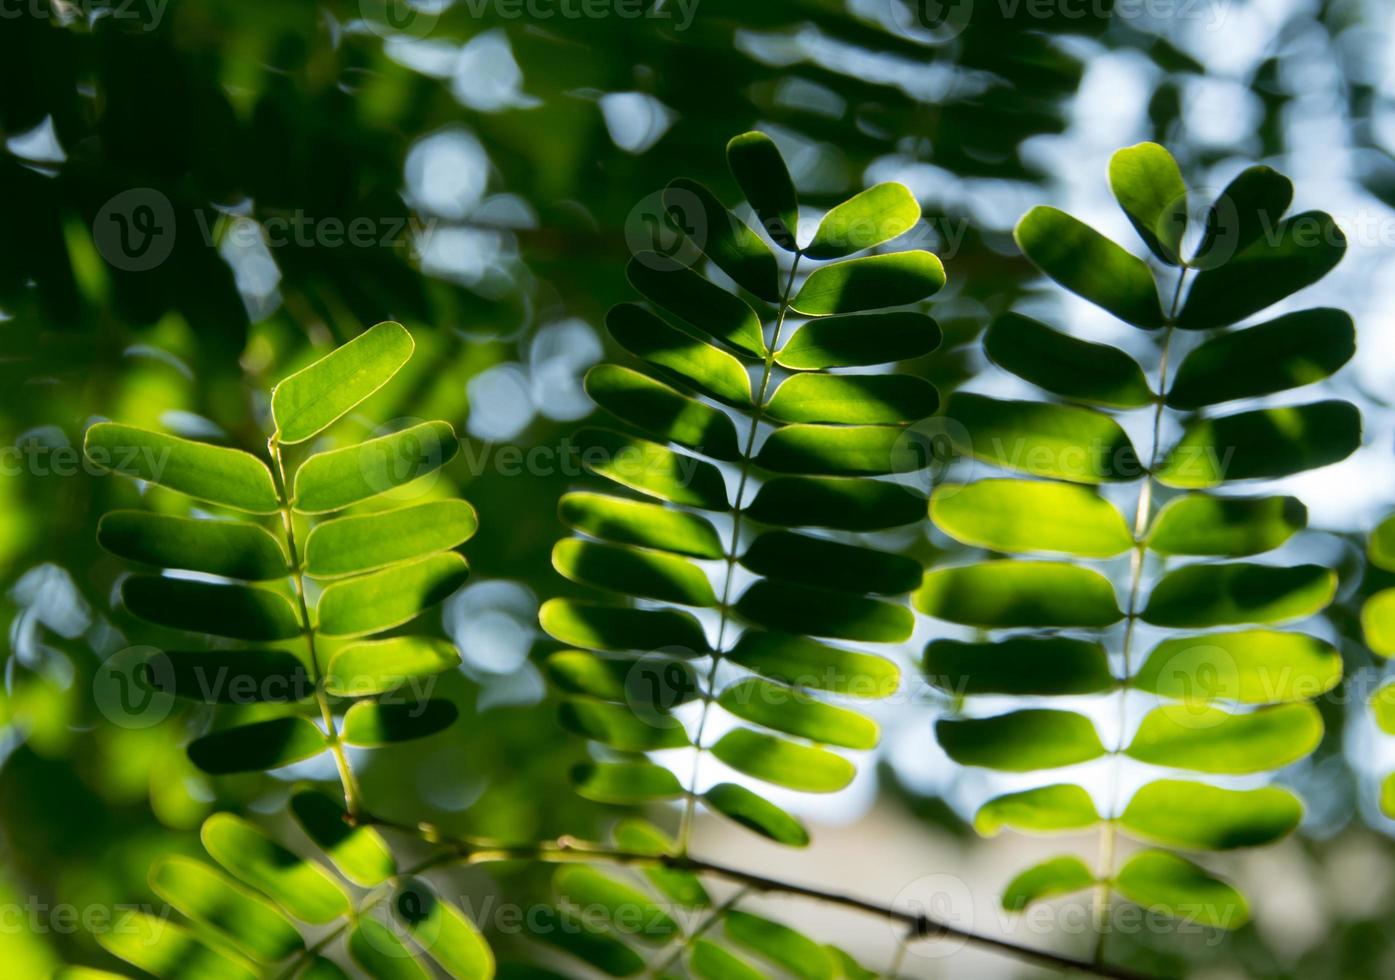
(808, 468)
(1378, 625)
(1234, 680)
(379, 568)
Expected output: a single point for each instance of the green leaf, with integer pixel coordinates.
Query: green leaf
(1387, 795)
(1383, 708)
(169, 951)
(839, 450)
(597, 627)
(1090, 265)
(831, 564)
(708, 961)
(625, 783)
(1296, 253)
(644, 524)
(820, 612)
(662, 412)
(853, 399)
(1262, 444)
(1064, 365)
(1163, 882)
(1249, 207)
(1207, 739)
(870, 283)
(231, 676)
(756, 813)
(315, 397)
(779, 944)
(216, 474)
(629, 910)
(372, 724)
(621, 728)
(241, 612)
(362, 543)
(802, 662)
(859, 340)
(1381, 549)
(787, 710)
(320, 968)
(1233, 593)
(442, 931)
(301, 887)
(1289, 352)
(1020, 741)
(1055, 876)
(1045, 665)
(782, 762)
(698, 302)
(849, 968)
(256, 747)
(1198, 817)
(724, 238)
(650, 682)
(378, 666)
(765, 181)
(224, 548)
(1148, 185)
(1247, 666)
(837, 503)
(1061, 441)
(695, 363)
(391, 596)
(1228, 527)
(878, 214)
(578, 936)
(1378, 622)
(211, 900)
(1025, 516)
(360, 853)
(1000, 594)
(1044, 810)
(641, 837)
(380, 953)
(334, 480)
(652, 469)
(633, 571)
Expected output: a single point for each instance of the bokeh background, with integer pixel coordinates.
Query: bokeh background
(199, 196)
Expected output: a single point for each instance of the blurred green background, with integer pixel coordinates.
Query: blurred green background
(199, 196)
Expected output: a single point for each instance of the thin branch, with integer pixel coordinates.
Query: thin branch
(565, 850)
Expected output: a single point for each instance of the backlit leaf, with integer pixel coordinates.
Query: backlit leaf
(621, 728)
(210, 899)
(443, 931)
(1262, 444)
(782, 762)
(786, 710)
(1025, 516)
(225, 548)
(1061, 441)
(258, 746)
(1207, 739)
(876, 215)
(1046, 809)
(625, 783)
(662, 412)
(630, 911)
(999, 594)
(381, 954)
(871, 283)
(216, 474)
(1198, 817)
(652, 469)
(1090, 265)
(839, 450)
(1163, 882)
(695, 363)
(633, 571)
(820, 612)
(301, 887)
(378, 666)
(642, 837)
(360, 853)
(169, 951)
(698, 302)
(1020, 741)
(1046, 665)
(756, 813)
(1378, 622)
(1056, 876)
(313, 398)
(765, 181)
(1233, 593)
(1245, 666)
(362, 543)
(724, 238)
(1250, 206)
(831, 564)
(639, 523)
(807, 663)
(372, 724)
(853, 399)
(780, 945)
(335, 479)
(859, 340)
(389, 597)
(1148, 185)
(241, 612)
(598, 627)
(836, 502)
(1233, 527)
(1065, 365)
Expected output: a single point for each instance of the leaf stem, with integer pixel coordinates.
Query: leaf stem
(1143, 514)
(352, 795)
(565, 850)
(685, 827)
